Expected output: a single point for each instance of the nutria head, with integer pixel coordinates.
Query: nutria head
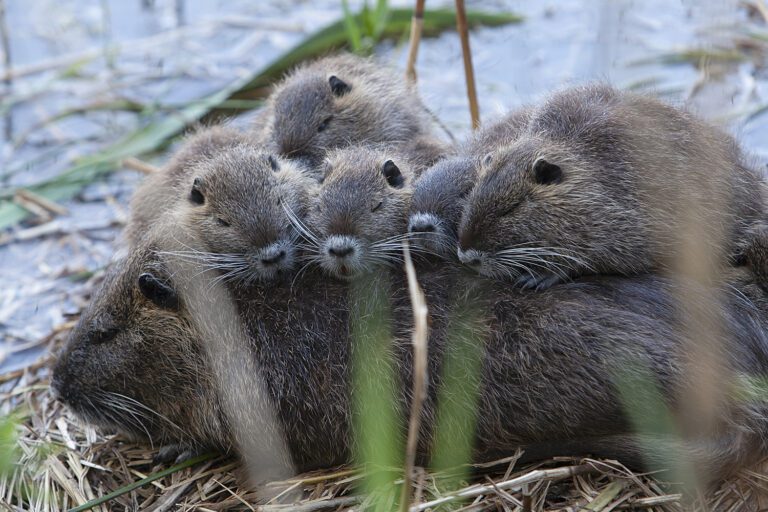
(133, 362)
(341, 101)
(560, 200)
(240, 204)
(438, 199)
(360, 214)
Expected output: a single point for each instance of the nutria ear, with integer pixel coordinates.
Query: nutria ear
(196, 195)
(158, 292)
(339, 86)
(273, 163)
(546, 173)
(392, 173)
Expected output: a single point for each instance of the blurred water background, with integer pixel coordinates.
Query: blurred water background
(79, 74)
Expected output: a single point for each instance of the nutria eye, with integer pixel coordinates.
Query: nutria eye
(222, 222)
(488, 159)
(98, 337)
(377, 206)
(324, 124)
(546, 173)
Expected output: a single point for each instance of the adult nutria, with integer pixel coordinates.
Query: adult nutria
(604, 181)
(239, 203)
(440, 192)
(360, 214)
(346, 100)
(159, 191)
(549, 369)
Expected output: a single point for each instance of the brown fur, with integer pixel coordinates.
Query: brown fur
(440, 192)
(159, 192)
(550, 361)
(239, 203)
(635, 174)
(358, 219)
(374, 105)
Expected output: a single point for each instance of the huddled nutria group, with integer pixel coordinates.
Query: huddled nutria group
(556, 226)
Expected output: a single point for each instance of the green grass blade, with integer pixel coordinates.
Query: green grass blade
(144, 481)
(353, 30)
(159, 134)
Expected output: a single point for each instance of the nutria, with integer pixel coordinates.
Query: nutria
(440, 192)
(240, 203)
(158, 192)
(360, 214)
(604, 181)
(347, 100)
(548, 374)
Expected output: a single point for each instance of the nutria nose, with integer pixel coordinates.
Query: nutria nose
(421, 226)
(274, 259)
(341, 252)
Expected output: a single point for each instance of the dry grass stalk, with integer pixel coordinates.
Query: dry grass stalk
(417, 24)
(469, 72)
(139, 165)
(419, 337)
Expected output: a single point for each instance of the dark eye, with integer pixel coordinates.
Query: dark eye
(377, 206)
(324, 124)
(222, 222)
(279, 201)
(100, 336)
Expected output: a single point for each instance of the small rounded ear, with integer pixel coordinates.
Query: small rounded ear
(392, 173)
(273, 163)
(196, 195)
(158, 292)
(338, 86)
(546, 173)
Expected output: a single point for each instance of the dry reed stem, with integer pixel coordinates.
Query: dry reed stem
(469, 72)
(139, 165)
(417, 24)
(419, 338)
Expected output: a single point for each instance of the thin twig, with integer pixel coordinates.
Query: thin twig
(417, 24)
(514, 484)
(469, 73)
(139, 165)
(419, 338)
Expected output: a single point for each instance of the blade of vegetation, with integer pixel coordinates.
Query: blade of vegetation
(377, 423)
(144, 481)
(159, 134)
(460, 390)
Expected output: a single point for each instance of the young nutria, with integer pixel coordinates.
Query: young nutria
(440, 192)
(346, 100)
(604, 181)
(158, 192)
(360, 214)
(240, 203)
(548, 373)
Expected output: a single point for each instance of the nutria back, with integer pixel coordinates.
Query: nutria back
(604, 181)
(544, 357)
